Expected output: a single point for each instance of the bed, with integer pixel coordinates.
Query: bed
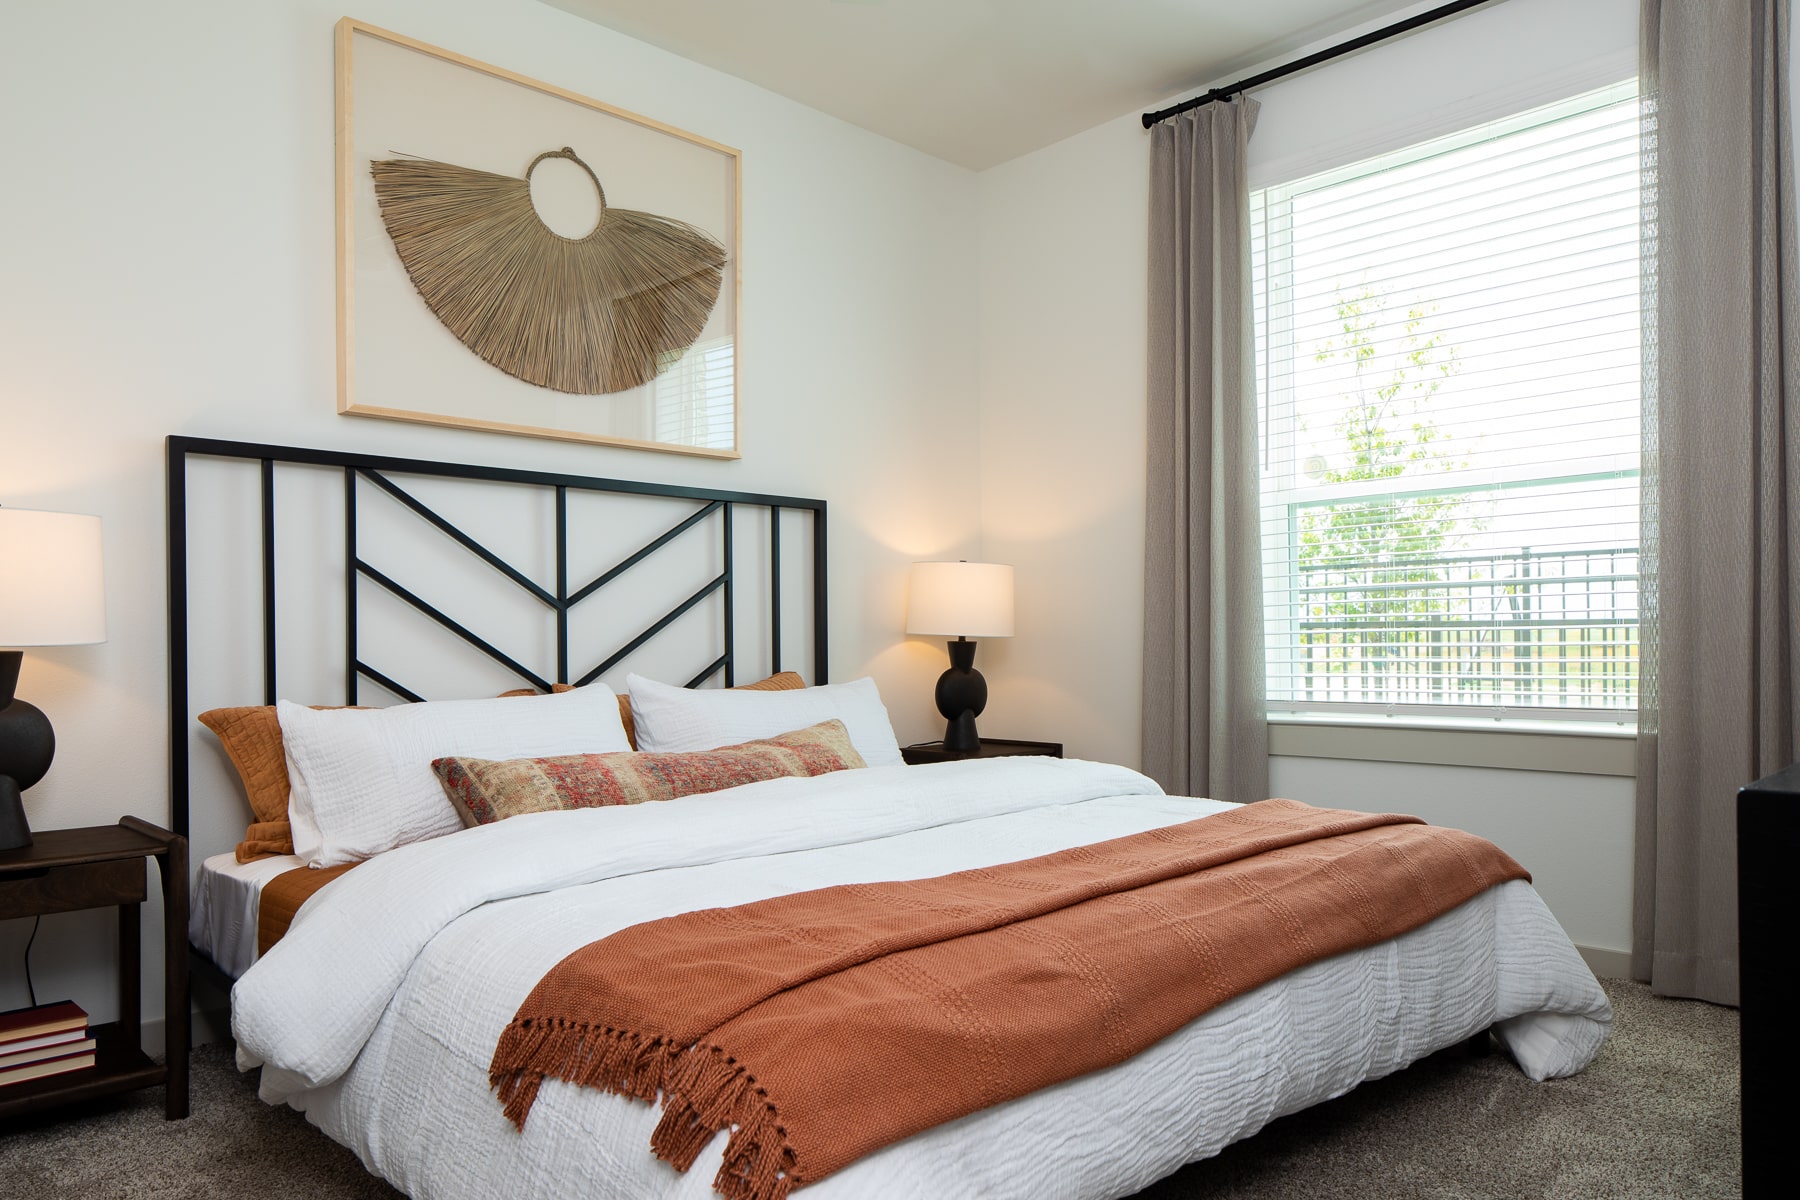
(378, 1011)
(224, 905)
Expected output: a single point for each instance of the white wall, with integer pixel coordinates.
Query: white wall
(166, 266)
(1572, 832)
(1063, 335)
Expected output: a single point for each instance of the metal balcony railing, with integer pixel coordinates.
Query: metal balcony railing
(1525, 630)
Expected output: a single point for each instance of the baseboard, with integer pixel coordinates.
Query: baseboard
(1607, 964)
(209, 1025)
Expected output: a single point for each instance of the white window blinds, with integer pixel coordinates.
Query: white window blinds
(693, 397)
(1448, 372)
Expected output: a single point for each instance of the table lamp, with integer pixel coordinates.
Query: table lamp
(53, 593)
(970, 600)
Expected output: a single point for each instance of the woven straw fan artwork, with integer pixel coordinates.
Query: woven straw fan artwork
(600, 313)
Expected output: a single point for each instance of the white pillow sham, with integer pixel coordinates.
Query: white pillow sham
(362, 780)
(674, 719)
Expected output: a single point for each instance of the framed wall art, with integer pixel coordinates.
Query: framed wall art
(515, 257)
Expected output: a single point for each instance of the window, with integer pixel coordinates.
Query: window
(692, 398)
(1448, 371)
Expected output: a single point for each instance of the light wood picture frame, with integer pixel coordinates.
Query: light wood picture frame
(401, 99)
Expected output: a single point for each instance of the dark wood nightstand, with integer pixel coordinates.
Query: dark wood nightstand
(932, 752)
(100, 867)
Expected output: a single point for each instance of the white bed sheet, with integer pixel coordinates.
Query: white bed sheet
(387, 1050)
(223, 907)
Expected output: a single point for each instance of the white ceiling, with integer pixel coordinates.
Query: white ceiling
(978, 82)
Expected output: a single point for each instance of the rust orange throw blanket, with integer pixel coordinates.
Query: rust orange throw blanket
(823, 1025)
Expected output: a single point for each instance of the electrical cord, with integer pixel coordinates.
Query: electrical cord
(28, 984)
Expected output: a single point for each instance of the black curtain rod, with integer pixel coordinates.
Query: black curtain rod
(1313, 60)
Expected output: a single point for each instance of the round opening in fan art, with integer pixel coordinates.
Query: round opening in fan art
(566, 199)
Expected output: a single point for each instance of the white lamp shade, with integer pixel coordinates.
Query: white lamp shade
(52, 580)
(960, 599)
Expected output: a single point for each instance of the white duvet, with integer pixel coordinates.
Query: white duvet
(378, 1012)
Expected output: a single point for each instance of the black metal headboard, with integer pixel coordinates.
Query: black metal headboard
(380, 472)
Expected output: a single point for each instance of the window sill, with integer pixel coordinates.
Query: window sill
(1514, 745)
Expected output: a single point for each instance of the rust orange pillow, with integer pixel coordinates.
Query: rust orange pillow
(485, 790)
(264, 839)
(786, 681)
(252, 739)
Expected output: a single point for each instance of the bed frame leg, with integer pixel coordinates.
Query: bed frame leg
(1480, 1045)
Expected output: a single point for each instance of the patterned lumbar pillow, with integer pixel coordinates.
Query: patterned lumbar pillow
(484, 790)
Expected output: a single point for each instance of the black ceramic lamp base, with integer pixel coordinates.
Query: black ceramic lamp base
(15, 834)
(961, 695)
(27, 745)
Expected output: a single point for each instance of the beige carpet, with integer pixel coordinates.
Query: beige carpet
(1655, 1116)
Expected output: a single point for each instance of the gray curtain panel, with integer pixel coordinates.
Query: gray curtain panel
(1204, 729)
(1721, 461)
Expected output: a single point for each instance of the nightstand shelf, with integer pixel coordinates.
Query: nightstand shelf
(119, 1066)
(103, 867)
(934, 752)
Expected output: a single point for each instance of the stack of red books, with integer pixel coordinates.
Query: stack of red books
(46, 1040)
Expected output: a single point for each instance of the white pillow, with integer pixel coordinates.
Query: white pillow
(670, 718)
(362, 780)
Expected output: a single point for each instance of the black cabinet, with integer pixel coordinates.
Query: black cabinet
(1768, 845)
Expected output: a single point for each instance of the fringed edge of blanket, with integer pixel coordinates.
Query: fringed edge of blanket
(703, 1088)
